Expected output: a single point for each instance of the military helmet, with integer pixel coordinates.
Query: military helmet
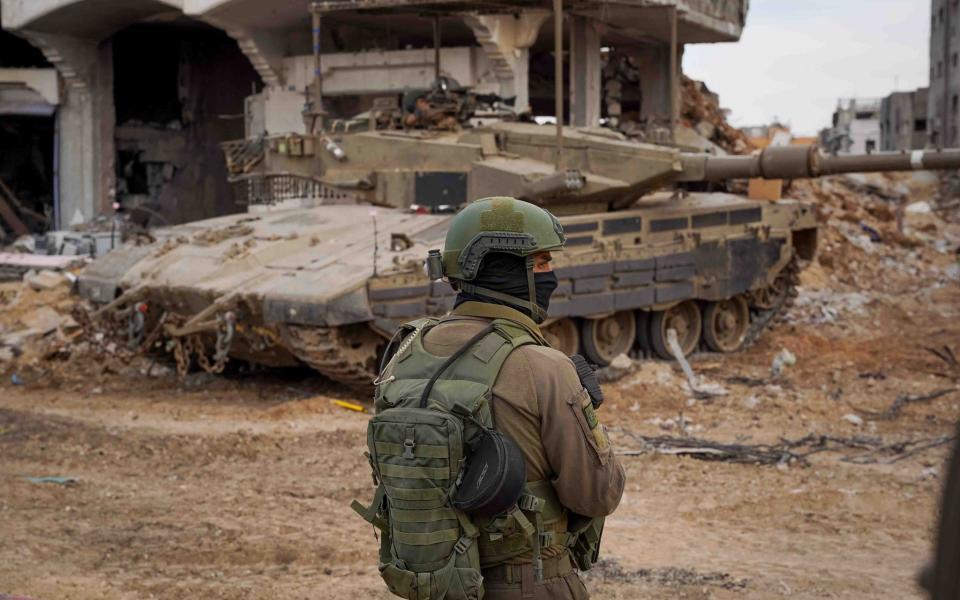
(498, 224)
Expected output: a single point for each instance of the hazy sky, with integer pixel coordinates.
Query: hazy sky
(797, 57)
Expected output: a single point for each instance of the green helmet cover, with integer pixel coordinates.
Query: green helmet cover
(499, 224)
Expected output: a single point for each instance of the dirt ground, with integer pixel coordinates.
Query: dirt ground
(239, 486)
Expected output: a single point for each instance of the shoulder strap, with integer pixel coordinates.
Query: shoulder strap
(405, 335)
(452, 359)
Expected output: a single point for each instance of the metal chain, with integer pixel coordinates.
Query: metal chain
(181, 356)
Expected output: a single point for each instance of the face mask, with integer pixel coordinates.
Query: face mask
(545, 284)
(507, 274)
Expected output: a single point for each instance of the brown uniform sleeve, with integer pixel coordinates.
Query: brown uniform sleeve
(588, 478)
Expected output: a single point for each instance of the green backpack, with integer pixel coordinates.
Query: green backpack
(428, 410)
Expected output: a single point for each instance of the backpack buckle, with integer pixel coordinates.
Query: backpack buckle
(531, 503)
(463, 544)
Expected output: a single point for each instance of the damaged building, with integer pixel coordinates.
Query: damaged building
(855, 127)
(127, 103)
(903, 121)
(943, 101)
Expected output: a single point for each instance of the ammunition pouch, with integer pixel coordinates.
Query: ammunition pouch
(585, 534)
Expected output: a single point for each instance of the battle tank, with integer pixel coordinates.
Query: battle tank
(329, 260)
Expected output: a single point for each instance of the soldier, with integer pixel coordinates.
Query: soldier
(539, 400)
(493, 473)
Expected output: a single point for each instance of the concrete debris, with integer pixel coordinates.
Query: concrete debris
(952, 272)
(45, 280)
(827, 306)
(619, 367)
(701, 111)
(679, 423)
(17, 339)
(862, 241)
(42, 320)
(853, 419)
(918, 208)
(14, 265)
(783, 359)
(652, 372)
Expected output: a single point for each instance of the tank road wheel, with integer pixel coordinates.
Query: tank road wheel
(607, 338)
(563, 335)
(725, 324)
(684, 318)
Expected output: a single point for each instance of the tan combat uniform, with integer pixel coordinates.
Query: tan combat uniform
(538, 402)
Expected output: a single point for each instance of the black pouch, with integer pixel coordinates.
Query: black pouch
(588, 378)
(494, 477)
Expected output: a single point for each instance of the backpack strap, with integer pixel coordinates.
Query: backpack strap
(452, 359)
(371, 514)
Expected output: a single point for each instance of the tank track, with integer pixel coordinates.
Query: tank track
(338, 353)
(761, 318)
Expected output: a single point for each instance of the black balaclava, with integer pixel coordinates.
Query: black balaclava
(507, 274)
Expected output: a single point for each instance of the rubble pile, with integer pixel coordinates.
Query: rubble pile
(879, 235)
(700, 110)
(947, 201)
(46, 335)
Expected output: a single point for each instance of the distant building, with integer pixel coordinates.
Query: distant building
(856, 127)
(903, 121)
(775, 134)
(943, 102)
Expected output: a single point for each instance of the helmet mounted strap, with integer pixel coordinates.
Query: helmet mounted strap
(535, 311)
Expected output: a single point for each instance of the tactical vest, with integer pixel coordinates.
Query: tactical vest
(429, 410)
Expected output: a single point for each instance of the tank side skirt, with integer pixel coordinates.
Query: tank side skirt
(712, 271)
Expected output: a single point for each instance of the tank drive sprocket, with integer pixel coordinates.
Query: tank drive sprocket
(780, 295)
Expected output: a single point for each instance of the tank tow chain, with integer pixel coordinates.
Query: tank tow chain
(336, 353)
(762, 318)
(186, 346)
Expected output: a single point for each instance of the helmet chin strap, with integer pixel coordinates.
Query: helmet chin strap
(538, 314)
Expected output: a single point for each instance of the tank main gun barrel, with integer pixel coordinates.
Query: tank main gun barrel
(796, 162)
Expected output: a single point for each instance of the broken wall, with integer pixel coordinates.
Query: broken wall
(903, 121)
(179, 92)
(28, 98)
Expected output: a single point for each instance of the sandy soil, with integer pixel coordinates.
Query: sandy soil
(239, 486)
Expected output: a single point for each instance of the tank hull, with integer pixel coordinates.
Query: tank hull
(326, 286)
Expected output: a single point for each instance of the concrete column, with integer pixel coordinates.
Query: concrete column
(506, 40)
(85, 125)
(585, 72)
(653, 64)
(519, 85)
